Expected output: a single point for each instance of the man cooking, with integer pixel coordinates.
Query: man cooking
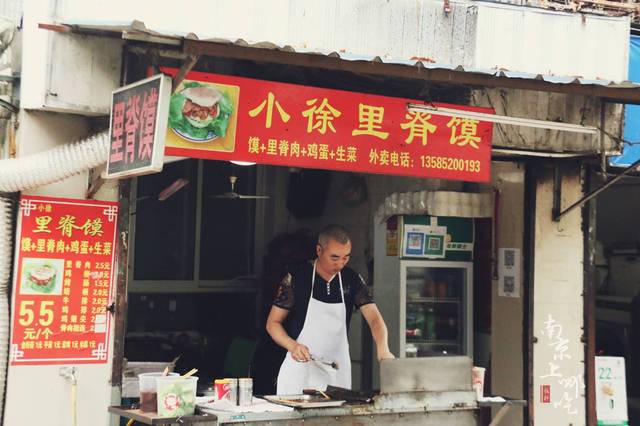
(311, 313)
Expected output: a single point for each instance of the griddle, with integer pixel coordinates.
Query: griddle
(351, 396)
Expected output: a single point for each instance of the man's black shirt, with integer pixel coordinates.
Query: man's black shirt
(295, 288)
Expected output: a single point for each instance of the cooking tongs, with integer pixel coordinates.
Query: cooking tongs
(324, 361)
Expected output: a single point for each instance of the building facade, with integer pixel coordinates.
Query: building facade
(523, 62)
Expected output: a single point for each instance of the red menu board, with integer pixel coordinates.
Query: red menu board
(233, 118)
(64, 271)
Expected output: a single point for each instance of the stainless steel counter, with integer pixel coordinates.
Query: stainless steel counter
(353, 414)
(422, 391)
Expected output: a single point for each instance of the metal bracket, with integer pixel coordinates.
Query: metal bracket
(184, 70)
(68, 373)
(557, 214)
(96, 183)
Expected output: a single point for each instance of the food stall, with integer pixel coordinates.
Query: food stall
(252, 119)
(416, 391)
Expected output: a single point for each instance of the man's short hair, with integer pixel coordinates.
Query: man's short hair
(334, 232)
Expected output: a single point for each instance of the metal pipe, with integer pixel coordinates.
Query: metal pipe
(595, 193)
(69, 373)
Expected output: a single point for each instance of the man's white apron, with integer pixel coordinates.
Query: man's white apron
(325, 334)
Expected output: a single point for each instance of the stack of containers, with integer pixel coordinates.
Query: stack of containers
(236, 391)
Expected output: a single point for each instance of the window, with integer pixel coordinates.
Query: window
(165, 230)
(228, 225)
(195, 235)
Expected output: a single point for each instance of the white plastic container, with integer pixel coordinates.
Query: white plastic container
(477, 381)
(245, 391)
(148, 390)
(177, 396)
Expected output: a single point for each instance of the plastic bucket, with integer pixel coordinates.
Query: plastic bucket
(135, 368)
(176, 396)
(148, 390)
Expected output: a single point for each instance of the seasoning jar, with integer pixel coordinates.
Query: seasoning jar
(245, 391)
(221, 389)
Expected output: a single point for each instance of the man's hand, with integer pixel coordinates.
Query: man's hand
(300, 353)
(385, 354)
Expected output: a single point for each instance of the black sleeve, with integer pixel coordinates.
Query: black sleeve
(361, 292)
(285, 298)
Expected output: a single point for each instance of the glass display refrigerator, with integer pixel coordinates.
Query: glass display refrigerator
(435, 308)
(423, 273)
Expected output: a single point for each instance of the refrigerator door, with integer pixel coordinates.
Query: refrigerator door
(435, 317)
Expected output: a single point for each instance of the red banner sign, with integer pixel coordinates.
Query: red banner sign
(232, 118)
(63, 281)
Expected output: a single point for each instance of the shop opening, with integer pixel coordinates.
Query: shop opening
(206, 266)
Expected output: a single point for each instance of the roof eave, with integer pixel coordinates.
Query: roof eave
(439, 75)
(189, 45)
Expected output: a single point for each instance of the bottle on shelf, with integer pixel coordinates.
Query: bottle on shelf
(429, 288)
(411, 351)
(443, 289)
(430, 324)
(453, 286)
(420, 320)
(415, 321)
(447, 326)
(414, 332)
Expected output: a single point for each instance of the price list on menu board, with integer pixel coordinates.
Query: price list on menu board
(63, 281)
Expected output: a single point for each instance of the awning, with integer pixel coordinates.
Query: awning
(438, 203)
(414, 68)
(631, 134)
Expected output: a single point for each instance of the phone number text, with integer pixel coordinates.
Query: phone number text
(448, 163)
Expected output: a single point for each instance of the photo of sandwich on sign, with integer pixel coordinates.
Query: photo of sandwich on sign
(41, 276)
(203, 116)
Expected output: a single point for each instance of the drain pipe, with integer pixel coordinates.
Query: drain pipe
(30, 172)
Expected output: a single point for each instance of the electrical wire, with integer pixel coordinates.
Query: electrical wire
(8, 105)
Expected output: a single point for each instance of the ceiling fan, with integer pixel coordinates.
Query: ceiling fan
(235, 195)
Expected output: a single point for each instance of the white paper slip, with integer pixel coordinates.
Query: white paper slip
(258, 405)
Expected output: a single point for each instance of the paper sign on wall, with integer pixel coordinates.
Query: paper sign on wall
(611, 391)
(509, 272)
(424, 241)
(392, 236)
(63, 281)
